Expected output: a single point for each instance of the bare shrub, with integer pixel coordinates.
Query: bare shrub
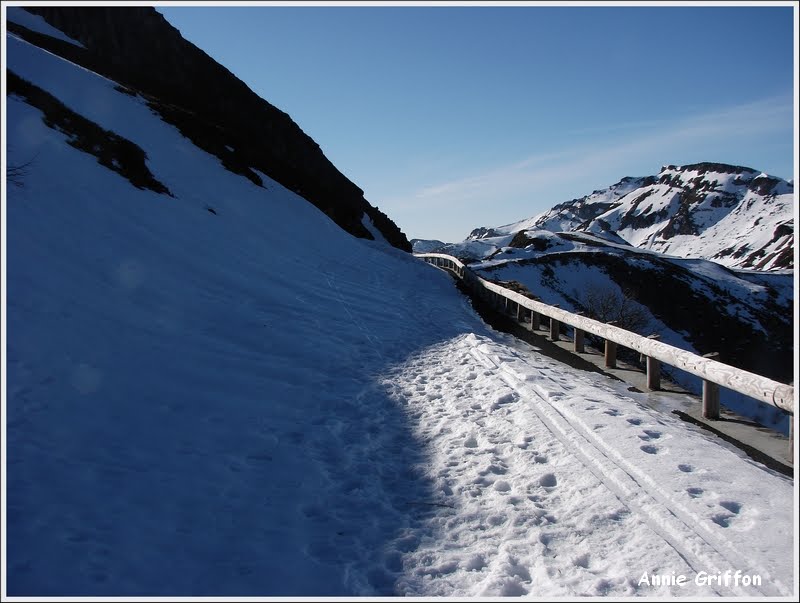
(609, 304)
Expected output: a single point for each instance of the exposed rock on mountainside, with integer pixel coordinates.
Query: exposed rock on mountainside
(138, 48)
(112, 151)
(732, 215)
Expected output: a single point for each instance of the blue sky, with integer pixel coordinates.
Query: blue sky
(453, 117)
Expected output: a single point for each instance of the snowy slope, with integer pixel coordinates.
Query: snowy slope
(220, 392)
(731, 215)
(36, 23)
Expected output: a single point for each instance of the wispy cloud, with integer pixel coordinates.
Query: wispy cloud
(663, 141)
(514, 173)
(518, 189)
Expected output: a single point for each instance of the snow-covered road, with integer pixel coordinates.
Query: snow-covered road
(548, 482)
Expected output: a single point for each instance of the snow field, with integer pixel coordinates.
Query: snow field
(253, 402)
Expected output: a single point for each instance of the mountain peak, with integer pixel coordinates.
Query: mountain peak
(734, 215)
(707, 166)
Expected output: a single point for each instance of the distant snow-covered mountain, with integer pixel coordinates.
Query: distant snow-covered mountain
(732, 215)
(426, 245)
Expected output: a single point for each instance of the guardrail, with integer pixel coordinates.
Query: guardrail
(713, 372)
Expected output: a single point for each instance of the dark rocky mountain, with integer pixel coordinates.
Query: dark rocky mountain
(138, 48)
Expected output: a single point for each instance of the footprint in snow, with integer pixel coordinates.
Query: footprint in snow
(512, 588)
(686, 468)
(502, 486)
(733, 507)
(475, 563)
(612, 412)
(546, 538)
(649, 449)
(504, 399)
(548, 480)
(619, 515)
(514, 569)
(526, 441)
(603, 587)
(650, 434)
(694, 492)
(495, 468)
(634, 421)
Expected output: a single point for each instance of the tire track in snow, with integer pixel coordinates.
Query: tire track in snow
(667, 517)
(506, 535)
(559, 542)
(674, 505)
